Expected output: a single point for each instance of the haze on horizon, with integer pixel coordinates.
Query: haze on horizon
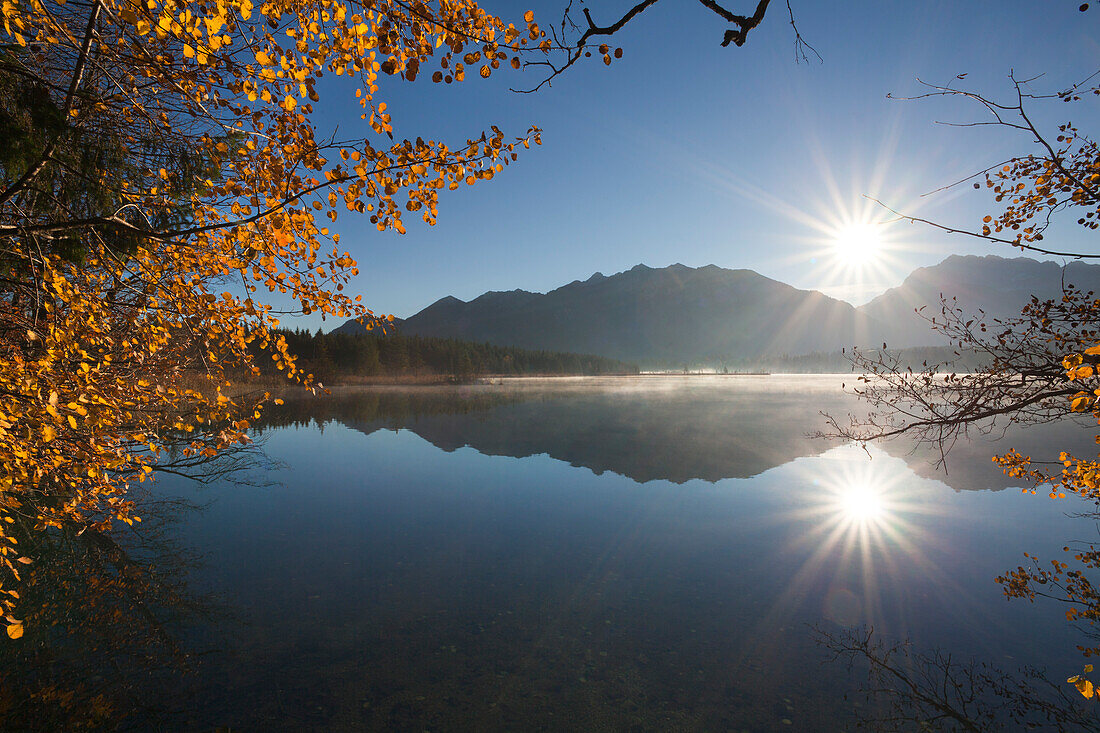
(745, 158)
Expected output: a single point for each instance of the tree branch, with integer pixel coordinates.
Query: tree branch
(66, 110)
(967, 232)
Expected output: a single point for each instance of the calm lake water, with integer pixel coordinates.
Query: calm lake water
(582, 554)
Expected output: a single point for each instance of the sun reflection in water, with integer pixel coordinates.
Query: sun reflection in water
(857, 501)
(862, 503)
(862, 524)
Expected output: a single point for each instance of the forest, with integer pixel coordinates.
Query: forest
(341, 357)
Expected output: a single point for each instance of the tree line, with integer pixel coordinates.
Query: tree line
(332, 357)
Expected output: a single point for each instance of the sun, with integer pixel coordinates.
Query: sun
(858, 245)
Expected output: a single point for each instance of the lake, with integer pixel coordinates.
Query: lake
(644, 553)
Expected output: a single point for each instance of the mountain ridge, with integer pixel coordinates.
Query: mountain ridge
(677, 314)
(997, 286)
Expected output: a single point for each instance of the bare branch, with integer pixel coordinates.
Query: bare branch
(967, 232)
(575, 50)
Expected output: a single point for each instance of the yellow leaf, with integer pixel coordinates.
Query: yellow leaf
(1093, 350)
(263, 58)
(48, 433)
(15, 630)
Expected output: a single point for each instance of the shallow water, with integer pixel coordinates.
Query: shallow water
(620, 554)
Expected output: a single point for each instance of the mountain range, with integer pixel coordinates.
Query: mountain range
(680, 314)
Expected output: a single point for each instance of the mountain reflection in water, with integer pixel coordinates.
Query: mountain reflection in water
(657, 428)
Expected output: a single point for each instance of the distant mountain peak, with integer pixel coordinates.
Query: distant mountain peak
(447, 300)
(502, 294)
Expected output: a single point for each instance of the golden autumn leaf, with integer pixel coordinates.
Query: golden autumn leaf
(15, 631)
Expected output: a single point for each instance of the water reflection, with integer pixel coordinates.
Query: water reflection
(859, 499)
(102, 615)
(861, 504)
(393, 579)
(908, 688)
(512, 592)
(655, 428)
(867, 524)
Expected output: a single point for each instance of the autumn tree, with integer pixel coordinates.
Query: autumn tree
(1041, 366)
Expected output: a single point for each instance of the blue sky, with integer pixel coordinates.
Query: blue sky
(684, 151)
